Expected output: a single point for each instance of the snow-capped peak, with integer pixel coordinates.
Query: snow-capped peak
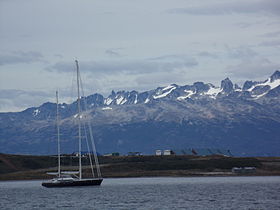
(198, 90)
(272, 83)
(275, 76)
(168, 87)
(227, 85)
(259, 89)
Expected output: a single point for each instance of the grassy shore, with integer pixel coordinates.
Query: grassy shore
(25, 167)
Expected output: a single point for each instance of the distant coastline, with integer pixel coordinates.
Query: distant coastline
(26, 167)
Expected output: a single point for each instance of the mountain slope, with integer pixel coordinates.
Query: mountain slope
(245, 120)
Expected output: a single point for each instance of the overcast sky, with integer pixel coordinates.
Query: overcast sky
(131, 45)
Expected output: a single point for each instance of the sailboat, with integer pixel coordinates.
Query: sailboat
(74, 178)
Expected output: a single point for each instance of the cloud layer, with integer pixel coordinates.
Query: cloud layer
(229, 7)
(20, 57)
(157, 64)
(132, 45)
(14, 100)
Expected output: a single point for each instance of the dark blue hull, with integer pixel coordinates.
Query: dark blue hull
(73, 183)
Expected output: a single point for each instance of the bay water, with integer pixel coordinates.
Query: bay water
(148, 193)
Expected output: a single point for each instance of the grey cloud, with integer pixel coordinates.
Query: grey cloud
(243, 52)
(171, 62)
(207, 54)
(58, 55)
(271, 34)
(61, 67)
(273, 43)
(249, 24)
(159, 64)
(169, 57)
(240, 7)
(252, 69)
(20, 57)
(104, 76)
(113, 52)
(18, 100)
(12, 93)
(273, 23)
(163, 79)
(244, 25)
(174, 58)
(251, 64)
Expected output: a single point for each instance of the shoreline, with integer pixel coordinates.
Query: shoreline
(127, 177)
(20, 176)
(24, 167)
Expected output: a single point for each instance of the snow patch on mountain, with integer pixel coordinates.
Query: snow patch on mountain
(213, 91)
(168, 87)
(165, 93)
(147, 100)
(189, 94)
(119, 100)
(76, 115)
(36, 112)
(123, 101)
(269, 82)
(238, 90)
(259, 96)
(272, 84)
(108, 101)
(107, 108)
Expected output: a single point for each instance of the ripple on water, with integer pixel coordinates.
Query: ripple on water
(148, 193)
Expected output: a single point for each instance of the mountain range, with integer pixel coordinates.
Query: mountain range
(245, 120)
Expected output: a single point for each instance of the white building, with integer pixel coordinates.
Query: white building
(158, 152)
(167, 152)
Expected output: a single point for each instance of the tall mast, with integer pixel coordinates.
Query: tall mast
(79, 120)
(58, 135)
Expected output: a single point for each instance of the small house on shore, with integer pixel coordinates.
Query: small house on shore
(112, 154)
(158, 152)
(164, 152)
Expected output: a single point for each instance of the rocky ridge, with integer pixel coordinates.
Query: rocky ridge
(245, 120)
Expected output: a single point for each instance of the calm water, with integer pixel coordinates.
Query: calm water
(148, 193)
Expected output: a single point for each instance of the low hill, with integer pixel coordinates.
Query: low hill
(18, 167)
